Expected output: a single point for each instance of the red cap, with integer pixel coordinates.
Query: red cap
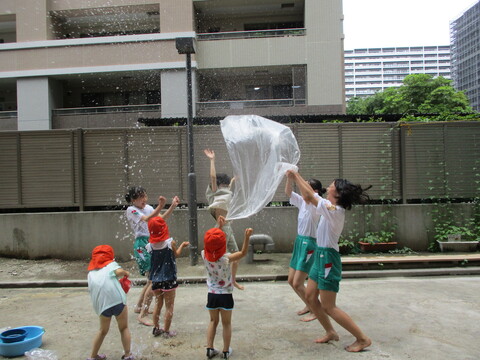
(214, 244)
(158, 229)
(102, 255)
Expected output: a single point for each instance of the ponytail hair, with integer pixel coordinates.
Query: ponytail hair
(317, 185)
(134, 193)
(349, 194)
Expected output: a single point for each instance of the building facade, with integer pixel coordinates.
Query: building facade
(83, 63)
(375, 69)
(465, 41)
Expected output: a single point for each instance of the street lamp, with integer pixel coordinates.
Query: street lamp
(187, 46)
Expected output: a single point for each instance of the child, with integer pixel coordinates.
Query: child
(163, 274)
(108, 299)
(302, 259)
(219, 195)
(326, 272)
(138, 214)
(220, 284)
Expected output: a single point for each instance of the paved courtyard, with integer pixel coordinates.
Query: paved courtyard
(407, 318)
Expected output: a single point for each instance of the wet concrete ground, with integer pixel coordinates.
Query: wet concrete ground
(407, 318)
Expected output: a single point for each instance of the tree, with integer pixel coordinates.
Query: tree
(419, 93)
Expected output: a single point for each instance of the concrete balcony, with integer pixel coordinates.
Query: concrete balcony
(103, 116)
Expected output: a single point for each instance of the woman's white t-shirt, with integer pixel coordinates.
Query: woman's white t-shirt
(307, 216)
(331, 223)
(134, 217)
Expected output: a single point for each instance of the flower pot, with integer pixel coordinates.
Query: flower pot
(377, 247)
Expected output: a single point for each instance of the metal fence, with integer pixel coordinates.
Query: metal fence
(86, 168)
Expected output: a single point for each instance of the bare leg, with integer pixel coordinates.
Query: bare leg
(291, 275)
(311, 295)
(147, 299)
(296, 279)
(157, 308)
(139, 304)
(102, 332)
(122, 321)
(234, 276)
(169, 297)
(227, 328)
(212, 327)
(328, 299)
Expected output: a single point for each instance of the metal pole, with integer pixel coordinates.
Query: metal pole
(192, 181)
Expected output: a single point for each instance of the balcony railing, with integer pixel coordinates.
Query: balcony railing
(251, 34)
(242, 104)
(107, 109)
(8, 114)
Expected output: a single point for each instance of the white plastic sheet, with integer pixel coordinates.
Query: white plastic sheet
(261, 151)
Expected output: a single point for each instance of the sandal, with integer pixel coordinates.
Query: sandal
(129, 357)
(99, 357)
(157, 331)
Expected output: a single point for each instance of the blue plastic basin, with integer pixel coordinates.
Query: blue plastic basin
(33, 339)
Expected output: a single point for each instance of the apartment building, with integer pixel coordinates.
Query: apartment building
(465, 41)
(88, 63)
(375, 69)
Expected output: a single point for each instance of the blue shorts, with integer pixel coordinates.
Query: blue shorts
(115, 310)
(327, 269)
(220, 301)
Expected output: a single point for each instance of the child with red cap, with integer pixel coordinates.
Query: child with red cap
(163, 270)
(220, 284)
(108, 298)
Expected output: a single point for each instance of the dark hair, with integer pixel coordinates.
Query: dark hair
(223, 179)
(134, 193)
(317, 185)
(349, 194)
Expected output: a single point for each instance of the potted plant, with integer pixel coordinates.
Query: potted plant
(456, 238)
(380, 241)
(345, 245)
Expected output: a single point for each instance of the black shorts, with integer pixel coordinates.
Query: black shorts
(114, 310)
(164, 285)
(220, 301)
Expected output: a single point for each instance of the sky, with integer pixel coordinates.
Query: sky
(391, 23)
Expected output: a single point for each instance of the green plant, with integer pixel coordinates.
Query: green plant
(377, 237)
(347, 245)
(443, 230)
(404, 251)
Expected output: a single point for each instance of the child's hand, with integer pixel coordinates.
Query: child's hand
(126, 274)
(248, 232)
(221, 221)
(175, 201)
(210, 154)
(290, 174)
(184, 244)
(162, 200)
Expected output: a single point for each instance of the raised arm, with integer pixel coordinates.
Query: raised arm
(161, 203)
(213, 173)
(305, 188)
(178, 251)
(288, 186)
(242, 253)
(172, 207)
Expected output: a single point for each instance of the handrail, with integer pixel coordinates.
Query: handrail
(107, 109)
(240, 104)
(8, 114)
(251, 34)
